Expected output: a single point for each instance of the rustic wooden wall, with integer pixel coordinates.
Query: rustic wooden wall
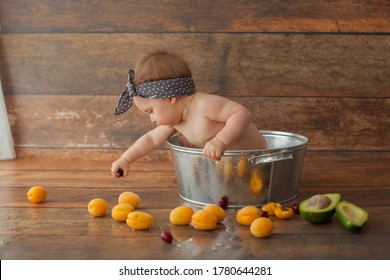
(318, 68)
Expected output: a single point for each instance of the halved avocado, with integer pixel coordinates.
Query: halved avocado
(350, 215)
(319, 215)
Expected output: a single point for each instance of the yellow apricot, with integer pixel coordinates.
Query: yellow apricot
(270, 208)
(246, 215)
(261, 227)
(181, 215)
(97, 207)
(283, 213)
(129, 197)
(242, 166)
(139, 220)
(120, 211)
(256, 182)
(36, 194)
(216, 210)
(228, 169)
(204, 220)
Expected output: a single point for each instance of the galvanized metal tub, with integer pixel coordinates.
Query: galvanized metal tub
(247, 177)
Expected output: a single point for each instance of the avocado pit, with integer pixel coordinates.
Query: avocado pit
(318, 202)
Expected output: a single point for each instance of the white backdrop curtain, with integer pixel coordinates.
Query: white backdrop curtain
(7, 150)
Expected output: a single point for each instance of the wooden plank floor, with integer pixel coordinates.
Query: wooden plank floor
(62, 228)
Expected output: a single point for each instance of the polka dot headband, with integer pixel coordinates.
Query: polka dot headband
(155, 89)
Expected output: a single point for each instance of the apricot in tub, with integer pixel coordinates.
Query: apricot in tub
(204, 220)
(37, 194)
(120, 211)
(181, 215)
(246, 215)
(129, 197)
(261, 227)
(139, 220)
(228, 169)
(256, 182)
(216, 210)
(97, 207)
(242, 166)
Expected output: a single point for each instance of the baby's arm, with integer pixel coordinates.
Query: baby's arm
(236, 117)
(143, 146)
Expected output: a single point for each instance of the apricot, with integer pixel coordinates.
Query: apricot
(242, 166)
(246, 215)
(261, 227)
(120, 211)
(129, 197)
(97, 207)
(283, 213)
(36, 194)
(181, 215)
(204, 220)
(270, 207)
(228, 169)
(139, 220)
(216, 210)
(256, 182)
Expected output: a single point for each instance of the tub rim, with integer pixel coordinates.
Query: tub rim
(299, 137)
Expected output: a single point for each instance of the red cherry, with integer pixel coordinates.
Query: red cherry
(166, 237)
(223, 202)
(295, 208)
(264, 214)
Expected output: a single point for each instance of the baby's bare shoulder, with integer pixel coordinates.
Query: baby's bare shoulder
(208, 100)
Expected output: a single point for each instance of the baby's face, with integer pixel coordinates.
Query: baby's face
(161, 111)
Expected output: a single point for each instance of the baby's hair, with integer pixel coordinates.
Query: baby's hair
(160, 65)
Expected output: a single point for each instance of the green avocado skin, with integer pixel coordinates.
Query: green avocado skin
(319, 216)
(345, 221)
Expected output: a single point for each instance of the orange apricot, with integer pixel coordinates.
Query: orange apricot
(246, 215)
(204, 220)
(181, 215)
(120, 211)
(256, 182)
(216, 210)
(270, 208)
(97, 207)
(261, 227)
(228, 169)
(129, 197)
(242, 166)
(36, 194)
(283, 213)
(139, 220)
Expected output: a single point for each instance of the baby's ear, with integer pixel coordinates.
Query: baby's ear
(172, 100)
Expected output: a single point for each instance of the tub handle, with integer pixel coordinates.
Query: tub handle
(267, 158)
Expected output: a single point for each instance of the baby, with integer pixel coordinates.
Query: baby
(162, 87)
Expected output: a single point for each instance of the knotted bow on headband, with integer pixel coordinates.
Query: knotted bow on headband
(155, 89)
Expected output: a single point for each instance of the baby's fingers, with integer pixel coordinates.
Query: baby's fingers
(213, 154)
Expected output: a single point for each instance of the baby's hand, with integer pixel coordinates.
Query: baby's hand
(120, 168)
(214, 149)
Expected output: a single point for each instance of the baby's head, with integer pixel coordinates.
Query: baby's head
(157, 75)
(160, 65)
